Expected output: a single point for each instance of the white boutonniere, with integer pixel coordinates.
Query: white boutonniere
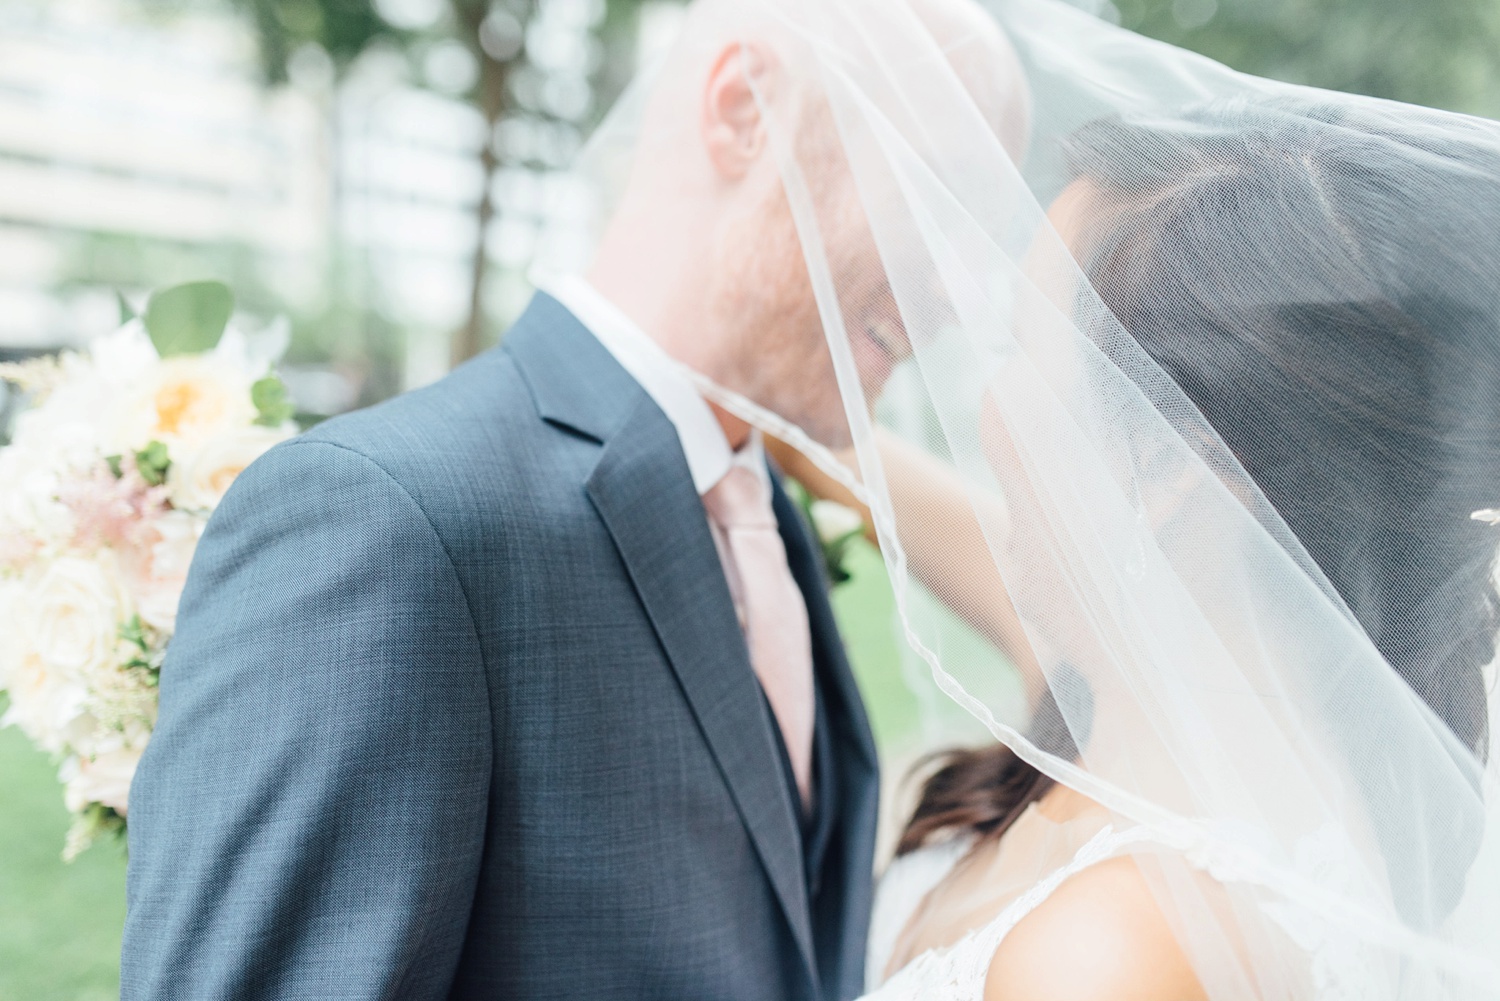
(836, 527)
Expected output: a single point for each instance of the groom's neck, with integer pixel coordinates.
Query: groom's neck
(674, 321)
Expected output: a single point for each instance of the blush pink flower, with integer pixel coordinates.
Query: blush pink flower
(110, 510)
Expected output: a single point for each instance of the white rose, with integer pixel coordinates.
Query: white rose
(200, 478)
(833, 521)
(103, 777)
(71, 618)
(183, 402)
(167, 551)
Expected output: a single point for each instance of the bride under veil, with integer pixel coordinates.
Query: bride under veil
(1182, 388)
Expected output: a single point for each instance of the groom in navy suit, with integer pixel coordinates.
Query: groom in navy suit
(476, 694)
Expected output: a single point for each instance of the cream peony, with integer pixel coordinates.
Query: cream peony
(200, 477)
(160, 572)
(184, 402)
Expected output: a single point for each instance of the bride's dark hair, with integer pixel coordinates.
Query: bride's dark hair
(1282, 264)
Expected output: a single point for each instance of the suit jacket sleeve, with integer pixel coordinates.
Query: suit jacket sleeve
(308, 819)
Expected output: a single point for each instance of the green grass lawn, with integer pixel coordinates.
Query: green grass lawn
(60, 923)
(866, 613)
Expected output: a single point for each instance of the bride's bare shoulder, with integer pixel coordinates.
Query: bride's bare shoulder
(1101, 935)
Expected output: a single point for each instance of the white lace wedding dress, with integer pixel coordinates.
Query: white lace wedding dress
(957, 972)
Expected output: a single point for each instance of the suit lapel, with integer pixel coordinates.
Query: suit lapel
(644, 494)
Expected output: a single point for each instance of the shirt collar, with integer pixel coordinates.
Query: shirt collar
(707, 450)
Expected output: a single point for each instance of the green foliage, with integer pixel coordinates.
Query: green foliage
(134, 632)
(146, 656)
(343, 28)
(271, 402)
(188, 319)
(1440, 53)
(153, 463)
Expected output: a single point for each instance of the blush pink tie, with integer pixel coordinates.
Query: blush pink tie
(771, 608)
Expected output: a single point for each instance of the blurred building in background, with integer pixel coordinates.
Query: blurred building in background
(129, 148)
(143, 143)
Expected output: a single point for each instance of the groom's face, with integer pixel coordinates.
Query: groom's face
(802, 283)
(798, 279)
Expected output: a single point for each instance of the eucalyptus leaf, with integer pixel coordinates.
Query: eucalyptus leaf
(127, 313)
(188, 319)
(271, 402)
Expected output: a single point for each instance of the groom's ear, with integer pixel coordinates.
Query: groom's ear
(733, 122)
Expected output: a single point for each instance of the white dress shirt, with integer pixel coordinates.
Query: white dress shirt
(703, 442)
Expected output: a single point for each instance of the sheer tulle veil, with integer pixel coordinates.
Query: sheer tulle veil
(1215, 363)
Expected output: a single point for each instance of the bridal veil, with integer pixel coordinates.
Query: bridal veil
(1213, 364)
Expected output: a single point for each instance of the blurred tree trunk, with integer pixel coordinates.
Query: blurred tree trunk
(492, 97)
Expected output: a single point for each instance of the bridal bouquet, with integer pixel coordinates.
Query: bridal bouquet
(112, 472)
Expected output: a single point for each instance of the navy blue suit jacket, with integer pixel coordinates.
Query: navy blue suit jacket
(458, 707)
